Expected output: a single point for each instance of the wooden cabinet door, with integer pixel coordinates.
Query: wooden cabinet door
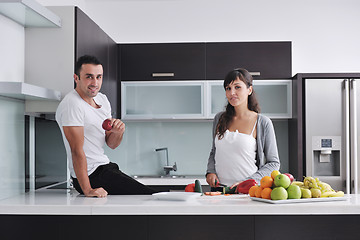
(271, 59)
(162, 61)
(92, 40)
(113, 85)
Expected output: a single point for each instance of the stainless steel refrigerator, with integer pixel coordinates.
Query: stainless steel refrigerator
(332, 130)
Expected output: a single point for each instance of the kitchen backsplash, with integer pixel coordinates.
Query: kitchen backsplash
(188, 144)
(12, 142)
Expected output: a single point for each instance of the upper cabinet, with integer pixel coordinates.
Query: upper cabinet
(274, 97)
(169, 80)
(203, 61)
(149, 100)
(162, 61)
(162, 100)
(265, 60)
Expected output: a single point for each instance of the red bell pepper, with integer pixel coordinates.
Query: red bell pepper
(244, 186)
(190, 187)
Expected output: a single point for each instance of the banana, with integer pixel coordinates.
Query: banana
(327, 194)
(298, 183)
(324, 187)
(337, 194)
(314, 184)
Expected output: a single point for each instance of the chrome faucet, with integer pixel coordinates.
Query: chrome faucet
(168, 167)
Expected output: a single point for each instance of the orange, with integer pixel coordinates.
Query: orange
(266, 193)
(252, 190)
(258, 192)
(266, 182)
(274, 173)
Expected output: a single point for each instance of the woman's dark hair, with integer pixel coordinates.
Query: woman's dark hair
(86, 59)
(253, 105)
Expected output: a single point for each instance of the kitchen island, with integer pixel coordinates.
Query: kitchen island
(62, 213)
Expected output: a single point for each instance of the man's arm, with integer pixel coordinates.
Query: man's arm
(115, 135)
(75, 137)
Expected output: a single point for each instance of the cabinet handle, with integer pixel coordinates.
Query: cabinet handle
(255, 73)
(163, 74)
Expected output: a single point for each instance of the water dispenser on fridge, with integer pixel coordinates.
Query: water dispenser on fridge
(326, 156)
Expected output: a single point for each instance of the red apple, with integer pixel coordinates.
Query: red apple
(290, 176)
(107, 125)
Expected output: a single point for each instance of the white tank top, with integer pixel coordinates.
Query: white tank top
(235, 156)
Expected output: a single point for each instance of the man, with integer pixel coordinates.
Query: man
(80, 116)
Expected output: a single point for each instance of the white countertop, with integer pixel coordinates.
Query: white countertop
(69, 202)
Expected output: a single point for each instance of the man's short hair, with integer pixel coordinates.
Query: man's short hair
(86, 59)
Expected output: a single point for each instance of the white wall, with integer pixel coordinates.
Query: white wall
(324, 33)
(55, 45)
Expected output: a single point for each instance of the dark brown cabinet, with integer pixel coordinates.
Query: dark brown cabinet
(271, 59)
(162, 61)
(92, 40)
(258, 227)
(200, 61)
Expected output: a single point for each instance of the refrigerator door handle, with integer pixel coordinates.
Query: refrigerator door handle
(353, 125)
(347, 136)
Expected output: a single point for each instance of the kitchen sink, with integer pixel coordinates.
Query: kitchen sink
(157, 176)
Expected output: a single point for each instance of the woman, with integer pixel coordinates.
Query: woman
(244, 144)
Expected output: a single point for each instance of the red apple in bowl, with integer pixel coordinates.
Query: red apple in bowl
(290, 176)
(107, 125)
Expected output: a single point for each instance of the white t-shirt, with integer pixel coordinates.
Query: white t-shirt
(235, 157)
(74, 111)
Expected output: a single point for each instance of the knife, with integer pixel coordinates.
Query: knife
(220, 184)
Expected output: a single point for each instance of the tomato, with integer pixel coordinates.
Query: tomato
(190, 187)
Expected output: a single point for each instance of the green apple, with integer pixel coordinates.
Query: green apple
(279, 193)
(305, 193)
(315, 193)
(282, 180)
(294, 192)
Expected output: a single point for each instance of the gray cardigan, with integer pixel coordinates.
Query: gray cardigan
(267, 158)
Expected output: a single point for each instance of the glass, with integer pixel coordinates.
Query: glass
(274, 97)
(162, 100)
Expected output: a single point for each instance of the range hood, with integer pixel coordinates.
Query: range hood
(25, 91)
(29, 13)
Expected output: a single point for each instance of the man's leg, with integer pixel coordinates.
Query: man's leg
(116, 182)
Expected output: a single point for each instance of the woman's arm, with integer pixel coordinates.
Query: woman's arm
(269, 151)
(211, 171)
